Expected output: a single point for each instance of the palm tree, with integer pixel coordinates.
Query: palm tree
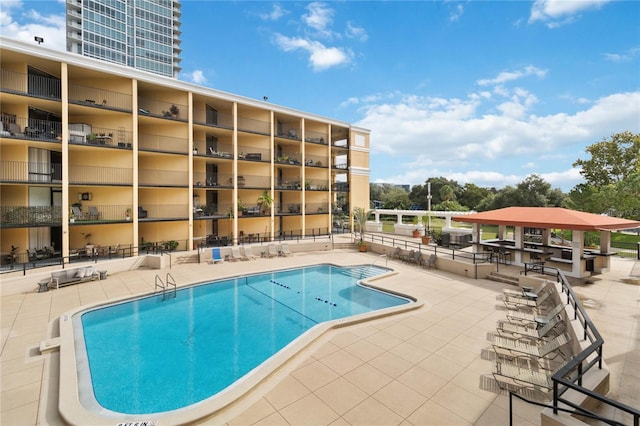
(360, 215)
(265, 200)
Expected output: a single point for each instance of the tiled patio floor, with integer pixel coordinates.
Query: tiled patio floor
(416, 368)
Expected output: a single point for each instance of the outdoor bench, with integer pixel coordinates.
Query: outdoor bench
(73, 276)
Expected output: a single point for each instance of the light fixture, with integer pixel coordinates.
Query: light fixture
(38, 39)
(266, 98)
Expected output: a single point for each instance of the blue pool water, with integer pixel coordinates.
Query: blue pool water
(149, 356)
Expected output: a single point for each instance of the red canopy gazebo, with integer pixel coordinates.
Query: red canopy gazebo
(582, 262)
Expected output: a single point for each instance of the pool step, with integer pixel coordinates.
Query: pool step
(344, 246)
(361, 272)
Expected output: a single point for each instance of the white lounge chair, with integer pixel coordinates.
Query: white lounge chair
(524, 375)
(540, 319)
(236, 255)
(543, 332)
(517, 346)
(284, 250)
(272, 251)
(520, 302)
(526, 291)
(248, 253)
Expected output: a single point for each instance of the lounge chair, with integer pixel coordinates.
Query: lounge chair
(248, 252)
(523, 375)
(540, 319)
(284, 250)
(271, 250)
(520, 302)
(526, 291)
(94, 214)
(236, 255)
(535, 332)
(517, 347)
(216, 256)
(77, 213)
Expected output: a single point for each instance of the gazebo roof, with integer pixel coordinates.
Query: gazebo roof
(549, 217)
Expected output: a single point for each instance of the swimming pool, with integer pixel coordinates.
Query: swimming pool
(148, 356)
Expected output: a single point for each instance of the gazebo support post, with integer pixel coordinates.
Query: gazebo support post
(518, 236)
(577, 252)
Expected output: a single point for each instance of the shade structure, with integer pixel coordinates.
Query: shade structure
(549, 218)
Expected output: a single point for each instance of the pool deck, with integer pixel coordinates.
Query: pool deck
(415, 368)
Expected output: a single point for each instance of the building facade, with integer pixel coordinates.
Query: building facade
(142, 34)
(102, 155)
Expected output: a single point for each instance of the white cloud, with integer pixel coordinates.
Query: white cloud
(196, 76)
(442, 136)
(457, 13)
(274, 14)
(507, 76)
(319, 17)
(354, 32)
(321, 57)
(555, 13)
(629, 55)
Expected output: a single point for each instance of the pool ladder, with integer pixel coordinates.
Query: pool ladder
(170, 281)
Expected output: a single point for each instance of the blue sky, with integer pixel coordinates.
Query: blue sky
(476, 91)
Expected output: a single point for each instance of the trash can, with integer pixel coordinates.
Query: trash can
(103, 275)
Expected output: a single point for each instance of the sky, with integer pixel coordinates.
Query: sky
(482, 92)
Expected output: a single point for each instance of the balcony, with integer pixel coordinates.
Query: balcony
(292, 158)
(82, 134)
(254, 182)
(211, 211)
(155, 212)
(30, 216)
(162, 109)
(316, 208)
(288, 184)
(32, 129)
(167, 178)
(316, 161)
(213, 119)
(315, 137)
(289, 133)
(99, 214)
(250, 153)
(99, 98)
(212, 180)
(254, 126)
(287, 209)
(26, 172)
(158, 143)
(96, 175)
(30, 85)
(316, 185)
(340, 187)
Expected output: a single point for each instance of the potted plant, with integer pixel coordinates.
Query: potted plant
(127, 214)
(72, 217)
(360, 215)
(426, 239)
(174, 111)
(91, 137)
(416, 233)
(241, 207)
(195, 151)
(265, 201)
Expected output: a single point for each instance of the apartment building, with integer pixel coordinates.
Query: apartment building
(101, 155)
(143, 34)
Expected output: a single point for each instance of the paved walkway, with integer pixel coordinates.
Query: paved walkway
(417, 368)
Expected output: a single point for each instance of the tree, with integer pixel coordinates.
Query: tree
(360, 216)
(472, 195)
(612, 160)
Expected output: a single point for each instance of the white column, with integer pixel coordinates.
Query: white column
(399, 221)
(578, 249)
(518, 236)
(475, 234)
(447, 219)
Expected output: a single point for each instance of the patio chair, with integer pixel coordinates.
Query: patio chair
(236, 255)
(520, 302)
(216, 256)
(522, 375)
(94, 214)
(432, 261)
(271, 250)
(114, 251)
(517, 347)
(284, 250)
(526, 291)
(142, 213)
(248, 253)
(540, 319)
(547, 331)
(34, 255)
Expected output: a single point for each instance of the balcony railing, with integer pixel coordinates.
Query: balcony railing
(100, 214)
(251, 153)
(316, 185)
(288, 158)
(30, 216)
(285, 183)
(162, 109)
(287, 209)
(289, 133)
(208, 211)
(253, 181)
(208, 118)
(31, 128)
(25, 172)
(316, 208)
(150, 177)
(220, 151)
(96, 175)
(100, 98)
(316, 161)
(160, 143)
(212, 180)
(29, 84)
(340, 187)
(315, 137)
(82, 134)
(254, 126)
(164, 212)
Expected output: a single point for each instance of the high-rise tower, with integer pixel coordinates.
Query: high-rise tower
(143, 34)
